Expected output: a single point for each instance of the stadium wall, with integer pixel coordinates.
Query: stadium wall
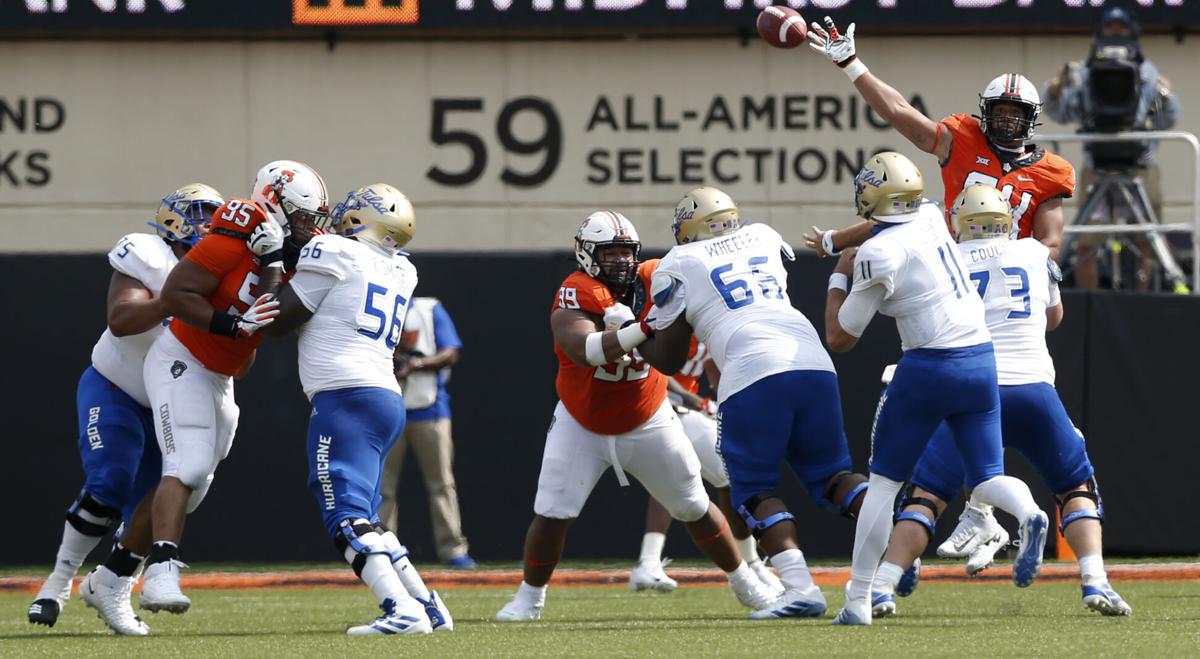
(502, 145)
(1137, 408)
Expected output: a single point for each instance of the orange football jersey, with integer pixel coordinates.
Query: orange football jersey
(617, 397)
(223, 252)
(1028, 181)
(689, 376)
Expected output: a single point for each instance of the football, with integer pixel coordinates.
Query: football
(782, 27)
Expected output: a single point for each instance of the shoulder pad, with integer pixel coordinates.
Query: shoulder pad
(137, 252)
(662, 285)
(323, 254)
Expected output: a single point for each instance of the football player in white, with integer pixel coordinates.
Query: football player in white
(910, 270)
(613, 412)
(1019, 286)
(778, 398)
(121, 460)
(348, 300)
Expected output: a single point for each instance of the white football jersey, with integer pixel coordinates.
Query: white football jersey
(925, 287)
(732, 290)
(149, 259)
(354, 328)
(1014, 279)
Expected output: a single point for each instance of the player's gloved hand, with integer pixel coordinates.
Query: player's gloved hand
(839, 48)
(266, 241)
(617, 316)
(259, 315)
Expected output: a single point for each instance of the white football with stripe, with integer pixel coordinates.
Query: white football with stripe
(782, 27)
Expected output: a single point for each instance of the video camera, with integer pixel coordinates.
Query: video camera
(1114, 91)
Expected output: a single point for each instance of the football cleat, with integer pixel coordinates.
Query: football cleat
(975, 526)
(411, 620)
(767, 576)
(438, 612)
(909, 580)
(1104, 599)
(794, 603)
(160, 589)
(1028, 563)
(109, 594)
(51, 600)
(752, 593)
(521, 609)
(985, 554)
(854, 613)
(650, 576)
(882, 604)
(44, 612)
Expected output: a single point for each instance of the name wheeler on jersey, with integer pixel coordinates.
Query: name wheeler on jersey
(925, 287)
(732, 290)
(619, 396)
(359, 302)
(148, 259)
(1017, 282)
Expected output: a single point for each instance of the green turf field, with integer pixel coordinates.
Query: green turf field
(981, 619)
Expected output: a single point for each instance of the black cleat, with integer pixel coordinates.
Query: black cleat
(44, 612)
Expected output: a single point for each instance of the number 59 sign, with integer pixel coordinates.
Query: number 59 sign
(548, 143)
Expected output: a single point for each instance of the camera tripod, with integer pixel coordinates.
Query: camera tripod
(1124, 189)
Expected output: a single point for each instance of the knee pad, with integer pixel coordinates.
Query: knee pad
(927, 522)
(198, 494)
(843, 506)
(1093, 493)
(759, 526)
(396, 551)
(357, 539)
(91, 517)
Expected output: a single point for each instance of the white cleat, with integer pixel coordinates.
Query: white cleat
(405, 617)
(854, 613)
(109, 594)
(883, 603)
(160, 589)
(794, 603)
(985, 554)
(975, 527)
(1102, 598)
(1028, 563)
(438, 612)
(752, 593)
(767, 576)
(650, 576)
(522, 609)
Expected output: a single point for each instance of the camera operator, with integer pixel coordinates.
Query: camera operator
(1115, 89)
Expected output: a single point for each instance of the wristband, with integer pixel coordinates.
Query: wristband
(223, 324)
(854, 69)
(271, 258)
(827, 243)
(632, 336)
(839, 281)
(593, 349)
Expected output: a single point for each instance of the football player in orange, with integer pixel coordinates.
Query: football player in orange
(613, 412)
(699, 417)
(993, 148)
(220, 294)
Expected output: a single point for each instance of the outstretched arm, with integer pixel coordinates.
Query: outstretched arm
(925, 134)
(576, 335)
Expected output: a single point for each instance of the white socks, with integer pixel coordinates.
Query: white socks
(887, 576)
(383, 581)
(535, 594)
(871, 534)
(793, 569)
(652, 547)
(1091, 570)
(412, 581)
(1008, 494)
(74, 549)
(748, 548)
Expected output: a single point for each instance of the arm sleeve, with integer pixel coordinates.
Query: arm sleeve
(311, 287)
(218, 254)
(669, 293)
(1056, 277)
(859, 308)
(445, 334)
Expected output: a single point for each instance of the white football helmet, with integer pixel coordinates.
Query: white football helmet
(184, 214)
(604, 229)
(980, 212)
(704, 213)
(379, 214)
(294, 195)
(1009, 88)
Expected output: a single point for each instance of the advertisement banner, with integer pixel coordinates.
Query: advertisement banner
(553, 17)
